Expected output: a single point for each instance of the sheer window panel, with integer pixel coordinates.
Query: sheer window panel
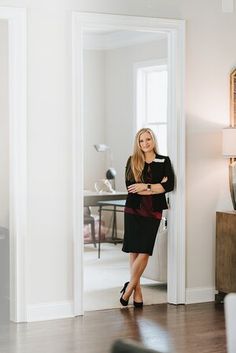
(156, 96)
(160, 132)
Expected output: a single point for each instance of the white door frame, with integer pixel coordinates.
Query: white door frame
(16, 18)
(175, 30)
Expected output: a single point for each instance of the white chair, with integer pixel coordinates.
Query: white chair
(230, 321)
(157, 263)
(130, 346)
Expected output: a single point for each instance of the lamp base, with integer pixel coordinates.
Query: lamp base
(232, 181)
(111, 175)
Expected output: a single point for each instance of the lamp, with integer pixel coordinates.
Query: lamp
(229, 151)
(101, 147)
(111, 172)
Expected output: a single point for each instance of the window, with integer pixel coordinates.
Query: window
(151, 101)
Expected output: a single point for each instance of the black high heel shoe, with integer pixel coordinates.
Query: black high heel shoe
(138, 304)
(123, 301)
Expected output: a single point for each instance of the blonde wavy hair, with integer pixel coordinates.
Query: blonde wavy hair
(136, 163)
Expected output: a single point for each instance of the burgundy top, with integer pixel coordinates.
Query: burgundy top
(146, 209)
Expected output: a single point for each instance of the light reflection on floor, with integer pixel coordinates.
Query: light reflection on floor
(151, 334)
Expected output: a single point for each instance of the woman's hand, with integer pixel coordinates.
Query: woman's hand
(164, 180)
(138, 187)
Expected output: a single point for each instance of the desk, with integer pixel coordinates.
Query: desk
(115, 204)
(91, 198)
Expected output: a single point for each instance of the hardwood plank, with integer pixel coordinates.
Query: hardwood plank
(168, 328)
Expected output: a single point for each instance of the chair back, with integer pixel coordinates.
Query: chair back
(230, 321)
(130, 346)
(87, 212)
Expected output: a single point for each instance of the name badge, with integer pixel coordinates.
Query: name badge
(158, 160)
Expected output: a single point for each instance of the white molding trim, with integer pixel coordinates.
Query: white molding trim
(50, 311)
(118, 39)
(175, 30)
(200, 295)
(157, 62)
(176, 149)
(78, 162)
(16, 18)
(228, 5)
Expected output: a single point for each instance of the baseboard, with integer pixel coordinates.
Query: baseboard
(50, 311)
(200, 295)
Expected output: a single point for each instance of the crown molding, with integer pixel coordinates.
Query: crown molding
(118, 39)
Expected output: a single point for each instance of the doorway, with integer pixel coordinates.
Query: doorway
(174, 31)
(122, 73)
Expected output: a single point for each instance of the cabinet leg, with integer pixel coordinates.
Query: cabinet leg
(219, 297)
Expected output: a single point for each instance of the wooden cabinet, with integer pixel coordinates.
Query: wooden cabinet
(225, 253)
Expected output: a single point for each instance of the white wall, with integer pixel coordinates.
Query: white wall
(4, 126)
(49, 153)
(94, 116)
(210, 55)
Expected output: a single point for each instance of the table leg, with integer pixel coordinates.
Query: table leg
(114, 226)
(99, 231)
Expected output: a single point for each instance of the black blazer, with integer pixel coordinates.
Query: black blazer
(160, 168)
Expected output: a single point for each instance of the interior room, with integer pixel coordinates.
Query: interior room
(118, 66)
(41, 184)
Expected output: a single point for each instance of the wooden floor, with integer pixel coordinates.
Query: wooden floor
(198, 328)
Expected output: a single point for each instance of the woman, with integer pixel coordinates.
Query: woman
(148, 177)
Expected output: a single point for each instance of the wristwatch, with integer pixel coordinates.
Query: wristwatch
(148, 187)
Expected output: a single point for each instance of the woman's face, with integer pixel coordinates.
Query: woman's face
(146, 142)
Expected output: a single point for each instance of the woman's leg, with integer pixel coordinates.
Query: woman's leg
(139, 263)
(137, 290)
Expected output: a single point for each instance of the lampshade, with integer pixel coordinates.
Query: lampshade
(110, 173)
(101, 147)
(229, 142)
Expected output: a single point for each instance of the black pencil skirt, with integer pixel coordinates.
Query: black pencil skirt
(140, 233)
